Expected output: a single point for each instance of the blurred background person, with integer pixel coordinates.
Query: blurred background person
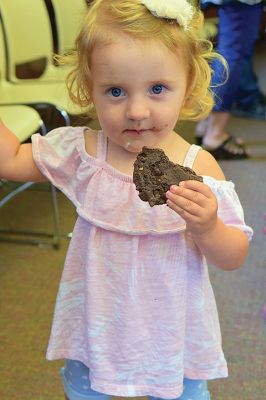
(238, 31)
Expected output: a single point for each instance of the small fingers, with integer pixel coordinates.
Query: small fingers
(181, 204)
(188, 197)
(192, 198)
(197, 186)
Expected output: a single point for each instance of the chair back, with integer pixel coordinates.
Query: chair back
(2, 53)
(68, 16)
(27, 31)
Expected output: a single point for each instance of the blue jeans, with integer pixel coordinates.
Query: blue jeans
(237, 35)
(75, 377)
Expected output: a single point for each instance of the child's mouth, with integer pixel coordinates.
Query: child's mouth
(137, 132)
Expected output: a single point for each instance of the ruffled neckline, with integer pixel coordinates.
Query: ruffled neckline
(103, 195)
(124, 211)
(86, 157)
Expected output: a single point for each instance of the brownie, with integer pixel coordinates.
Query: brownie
(154, 173)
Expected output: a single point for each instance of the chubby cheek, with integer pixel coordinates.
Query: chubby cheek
(107, 120)
(168, 122)
(113, 122)
(164, 129)
(170, 115)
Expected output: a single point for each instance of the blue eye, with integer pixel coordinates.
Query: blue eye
(116, 92)
(157, 89)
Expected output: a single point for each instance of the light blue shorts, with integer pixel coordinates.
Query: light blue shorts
(75, 376)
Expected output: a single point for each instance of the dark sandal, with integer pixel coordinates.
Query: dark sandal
(239, 142)
(198, 140)
(231, 149)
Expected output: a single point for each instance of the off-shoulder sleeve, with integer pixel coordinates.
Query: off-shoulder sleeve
(88, 181)
(230, 210)
(57, 157)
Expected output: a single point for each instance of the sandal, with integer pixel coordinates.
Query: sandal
(238, 141)
(198, 140)
(231, 149)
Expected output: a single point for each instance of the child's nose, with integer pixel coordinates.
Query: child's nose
(137, 110)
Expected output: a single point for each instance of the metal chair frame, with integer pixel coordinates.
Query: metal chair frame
(42, 239)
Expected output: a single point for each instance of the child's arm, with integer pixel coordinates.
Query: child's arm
(222, 245)
(16, 160)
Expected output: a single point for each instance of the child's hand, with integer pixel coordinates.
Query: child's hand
(196, 204)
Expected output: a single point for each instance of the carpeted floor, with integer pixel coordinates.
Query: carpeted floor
(29, 278)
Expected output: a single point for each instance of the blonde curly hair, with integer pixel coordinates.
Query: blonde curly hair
(105, 19)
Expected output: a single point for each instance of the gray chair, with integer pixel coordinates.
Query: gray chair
(24, 121)
(20, 41)
(68, 16)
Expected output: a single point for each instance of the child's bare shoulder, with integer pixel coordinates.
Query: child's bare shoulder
(205, 164)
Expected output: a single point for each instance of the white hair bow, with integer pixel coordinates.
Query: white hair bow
(179, 10)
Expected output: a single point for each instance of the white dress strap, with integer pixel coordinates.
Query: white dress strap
(102, 150)
(191, 155)
(101, 146)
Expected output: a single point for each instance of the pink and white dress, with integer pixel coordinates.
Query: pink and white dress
(135, 303)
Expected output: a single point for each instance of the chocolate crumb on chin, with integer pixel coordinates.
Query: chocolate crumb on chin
(154, 173)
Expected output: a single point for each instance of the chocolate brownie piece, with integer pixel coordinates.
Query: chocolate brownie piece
(154, 173)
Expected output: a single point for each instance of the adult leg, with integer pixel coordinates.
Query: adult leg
(235, 45)
(251, 101)
(249, 96)
(248, 90)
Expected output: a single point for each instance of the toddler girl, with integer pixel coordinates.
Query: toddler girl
(135, 313)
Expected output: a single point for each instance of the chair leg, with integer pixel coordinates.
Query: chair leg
(32, 237)
(42, 239)
(19, 189)
(56, 219)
